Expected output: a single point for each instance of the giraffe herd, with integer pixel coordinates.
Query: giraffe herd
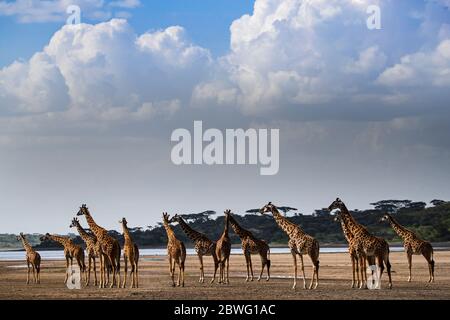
(364, 249)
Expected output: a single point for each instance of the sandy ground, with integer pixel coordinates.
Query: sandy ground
(335, 279)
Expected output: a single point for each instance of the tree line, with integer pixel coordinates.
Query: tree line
(431, 223)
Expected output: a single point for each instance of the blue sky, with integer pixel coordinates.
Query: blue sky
(207, 21)
(86, 112)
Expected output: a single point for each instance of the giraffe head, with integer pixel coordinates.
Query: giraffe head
(175, 218)
(83, 210)
(20, 237)
(385, 218)
(267, 208)
(123, 222)
(166, 217)
(75, 223)
(45, 237)
(227, 213)
(337, 204)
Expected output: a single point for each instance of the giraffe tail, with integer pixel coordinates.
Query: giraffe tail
(268, 257)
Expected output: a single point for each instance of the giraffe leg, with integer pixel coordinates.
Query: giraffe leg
(132, 274)
(303, 271)
(182, 271)
(251, 266)
(125, 270)
(263, 264)
(228, 270)
(409, 257)
(352, 258)
(67, 270)
(33, 268)
(248, 266)
(428, 255)
(95, 271)
(173, 272)
(179, 272)
(388, 269)
(216, 265)
(136, 273)
(294, 258)
(202, 275)
(38, 270)
(363, 270)
(28, 271)
(88, 279)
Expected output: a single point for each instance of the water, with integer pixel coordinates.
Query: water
(59, 254)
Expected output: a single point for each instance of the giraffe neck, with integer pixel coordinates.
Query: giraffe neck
(225, 230)
(169, 231)
(62, 240)
(83, 234)
(288, 227)
(347, 233)
(241, 232)
(96, 229)
(191, 233)
(126, 233)
(399, 229)
(351, 225)
(26, 245)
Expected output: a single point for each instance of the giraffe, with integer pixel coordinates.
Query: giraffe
(71, 251)
(110, 249)
(33, 259)
(251, 245)
(223, 250)
(91, 249)
(413, 245)
(202, 244)
(375, 248)
(176, 252)
(357, 256)
(300, 243)
(131, 255)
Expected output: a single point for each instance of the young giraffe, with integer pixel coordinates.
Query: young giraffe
(33, 259)
(374, 247)
(203, 246)
(357, 255)
(176, 252)
(110, 249)
(300, 243)
(71, 251)
(91, 249)
(131, 255)
(223, 250)
(251, 245)
(413, 245)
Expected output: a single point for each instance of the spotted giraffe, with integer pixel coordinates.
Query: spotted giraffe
(91, 249)
(176, 252)
(110, 249)
(223, 250)
(375, 248)
(33, 260)
(357, 255)
(71, 251)
(413, 245)
(251, 245)
(300, 243)
(131, 255)
(202, 244)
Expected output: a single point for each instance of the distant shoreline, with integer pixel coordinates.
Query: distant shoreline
(441, 245)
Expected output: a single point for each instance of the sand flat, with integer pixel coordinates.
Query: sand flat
(335, 280)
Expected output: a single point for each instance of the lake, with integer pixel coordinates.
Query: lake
(59, 254)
